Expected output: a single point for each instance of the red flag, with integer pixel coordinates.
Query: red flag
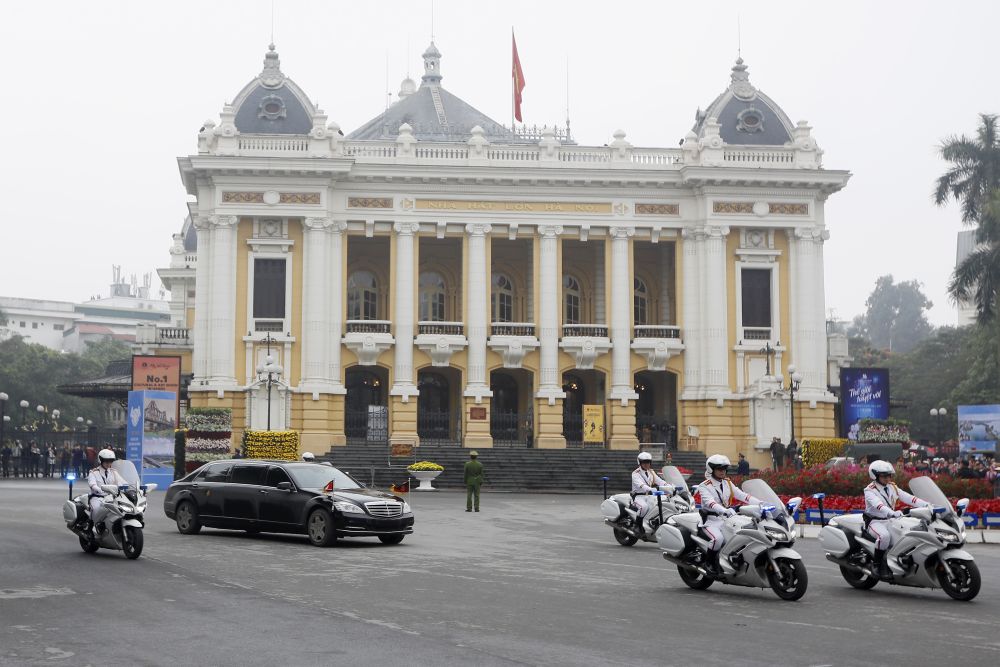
(518, 77)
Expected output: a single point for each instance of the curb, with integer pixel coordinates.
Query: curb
(974, 536)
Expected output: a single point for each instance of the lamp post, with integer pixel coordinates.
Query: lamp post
(794, 380)
(79, 425)
(937, 414)
(3, 418)
(24, 406)
(267, 372)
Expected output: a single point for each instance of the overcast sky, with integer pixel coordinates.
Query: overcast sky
(101, 97)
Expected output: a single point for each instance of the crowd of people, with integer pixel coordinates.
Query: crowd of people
(964, 467)
(38, 460)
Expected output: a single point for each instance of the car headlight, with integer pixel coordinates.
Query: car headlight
(406, 508)
(348, 508)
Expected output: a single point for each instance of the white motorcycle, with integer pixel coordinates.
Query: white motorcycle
(926, 551)
(123, 522)
(621, 513)
(758, 550)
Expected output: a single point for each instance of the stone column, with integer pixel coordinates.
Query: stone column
(223, 299)
(550, 393)
(404, 411)
(809, 325)
(716, 304)
(336, 289)
(201, 354)
(622, 427)
(477, 299)
(691, 241)
(315, 307)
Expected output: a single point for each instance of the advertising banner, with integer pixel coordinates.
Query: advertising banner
(149, 433)
(864, 394)
(156, 373)
(978, 428)
(593, 423)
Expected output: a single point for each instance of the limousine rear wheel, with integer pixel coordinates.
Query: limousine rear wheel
(320, 528)
(187, 518)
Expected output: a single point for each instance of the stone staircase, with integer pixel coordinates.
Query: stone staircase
(552, 470)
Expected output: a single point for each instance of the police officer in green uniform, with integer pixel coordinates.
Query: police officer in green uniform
(473, 480)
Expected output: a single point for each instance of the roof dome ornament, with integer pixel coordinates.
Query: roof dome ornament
(407, 88)
(271, 76)
(432, 65)
(741, 86)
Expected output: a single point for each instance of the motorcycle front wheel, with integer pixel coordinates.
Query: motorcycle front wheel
(966, 582)
(624, 538)
(133, 543)
(788, 580)
(88, 545)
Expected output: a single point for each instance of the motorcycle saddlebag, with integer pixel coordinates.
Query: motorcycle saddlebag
(670, 539)
(834, 541)
(71, 511)
(612, 509)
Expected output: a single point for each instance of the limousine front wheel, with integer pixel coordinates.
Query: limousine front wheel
(187, 518)
(320, 528)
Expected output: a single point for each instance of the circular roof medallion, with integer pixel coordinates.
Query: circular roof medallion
(271, 197)
(750, 120)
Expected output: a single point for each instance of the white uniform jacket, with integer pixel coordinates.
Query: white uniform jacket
(643, 482)
(881, 501)
(99, 476)
(717, 495)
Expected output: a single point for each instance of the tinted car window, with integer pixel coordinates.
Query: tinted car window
(248, 474)
(217, 472)
(275, 476)
(314, 476)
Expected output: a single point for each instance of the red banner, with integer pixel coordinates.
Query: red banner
(518, 76)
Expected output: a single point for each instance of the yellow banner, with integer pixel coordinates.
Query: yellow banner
(593, 423)
(513, 206)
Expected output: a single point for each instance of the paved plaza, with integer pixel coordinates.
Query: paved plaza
(530, 580)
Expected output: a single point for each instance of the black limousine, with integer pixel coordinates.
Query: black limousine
(285, 497)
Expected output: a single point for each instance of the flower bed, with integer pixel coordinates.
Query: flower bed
(846, 483)
(424, 465)
(817, 451)
(275, 445)
(209, 435)
(883, 430)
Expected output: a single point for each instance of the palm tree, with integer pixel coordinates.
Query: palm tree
(975, 170)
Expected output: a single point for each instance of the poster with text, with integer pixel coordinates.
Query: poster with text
(593, 423)
(978, 428)
(149, 431)
(864, 394)
(158, 373)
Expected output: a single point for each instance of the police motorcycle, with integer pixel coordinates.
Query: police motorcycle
(621, 513)
(124, 521)
(758, 550)
(926, 550)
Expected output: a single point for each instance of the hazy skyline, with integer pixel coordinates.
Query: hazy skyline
(103, 97)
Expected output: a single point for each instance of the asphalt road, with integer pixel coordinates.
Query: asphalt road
(530, 580)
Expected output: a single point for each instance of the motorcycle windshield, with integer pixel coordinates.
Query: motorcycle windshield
(927, 489)
(127, 470)
(761, 490)
(671, 475)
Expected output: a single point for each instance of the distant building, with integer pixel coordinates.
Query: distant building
(966, 244)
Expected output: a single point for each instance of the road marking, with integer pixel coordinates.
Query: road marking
(36, 592)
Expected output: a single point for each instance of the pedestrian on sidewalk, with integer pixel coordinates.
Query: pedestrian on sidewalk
(777, 453)
(15, 457)
(50, 461)
(5, 458)
(473, 480)
(77, 460)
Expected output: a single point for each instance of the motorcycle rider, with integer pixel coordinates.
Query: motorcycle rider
(102, 474)
(881, 497)
(644, 482)
(717, 493)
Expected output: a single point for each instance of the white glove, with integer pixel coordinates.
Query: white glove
(897, 514)
(729, 512)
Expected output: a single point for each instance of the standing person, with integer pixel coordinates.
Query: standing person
(792, 453)
(77, 461)
(34, 454)
(64, 457)
(5, 458)
(473, 480)
(16, 456)
(50, 461)
(743, 466)
(777, 453)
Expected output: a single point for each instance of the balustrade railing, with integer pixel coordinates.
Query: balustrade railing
(266, 144)
(441, 328)
(172, 335)
(268, 325)
(756, 333)
(368, 326)
(656, 331)
(512, 329)
(746, 157)
(591, 330)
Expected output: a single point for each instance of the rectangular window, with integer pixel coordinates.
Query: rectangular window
(34, 325)
(57, 327)
(503, 307)
(248, 474)
(269, 288)
(572, 309)
(756, 295)
(22, 325)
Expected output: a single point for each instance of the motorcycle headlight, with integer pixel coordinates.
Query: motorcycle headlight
(776, 534)
(948, 536)
(348, 508)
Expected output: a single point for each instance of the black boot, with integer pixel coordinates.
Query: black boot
(712, 563)
(882, 566)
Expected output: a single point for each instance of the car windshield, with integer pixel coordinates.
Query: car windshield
(316, 476)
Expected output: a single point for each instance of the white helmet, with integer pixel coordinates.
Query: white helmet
(308, 456)
(714, 462)
(106, 455)
(880, 468)
(644, 457)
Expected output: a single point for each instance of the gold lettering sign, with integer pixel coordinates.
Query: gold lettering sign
(513, 206)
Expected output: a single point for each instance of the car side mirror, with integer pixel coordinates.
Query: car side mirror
(284, 486)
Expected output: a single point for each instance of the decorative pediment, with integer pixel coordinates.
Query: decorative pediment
(585, 349)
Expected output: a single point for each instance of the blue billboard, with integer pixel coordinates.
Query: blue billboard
(978, 428)
(149, 434)
(864, 394)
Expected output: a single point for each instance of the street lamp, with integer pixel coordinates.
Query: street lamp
(267, 372)
(794, 380)
(937, 414)
(24, 406)
(3, 418)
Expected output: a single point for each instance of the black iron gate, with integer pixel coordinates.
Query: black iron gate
(511, 429)
(438, 427)
(367, 426)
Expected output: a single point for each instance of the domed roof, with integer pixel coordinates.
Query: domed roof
(432, 112)
(745, 114)
(272, 103)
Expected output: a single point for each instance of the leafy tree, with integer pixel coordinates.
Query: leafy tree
(894, 318)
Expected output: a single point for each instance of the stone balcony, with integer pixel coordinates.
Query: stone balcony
(657, 343)
(440, 340)
(512, 340)
(368, 339)
(585, 342)
(151, 335)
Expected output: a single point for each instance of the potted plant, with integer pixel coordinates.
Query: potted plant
(425, 471)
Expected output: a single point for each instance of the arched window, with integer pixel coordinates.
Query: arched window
(640, 300)
(362, 296)
(432, 297)
(571, 300)
(502, 298)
